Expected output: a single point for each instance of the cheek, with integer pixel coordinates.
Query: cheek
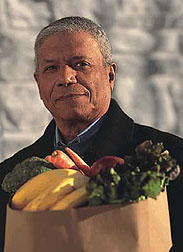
(104, 96)
(92, 87)
(102, 88)
(45, 88)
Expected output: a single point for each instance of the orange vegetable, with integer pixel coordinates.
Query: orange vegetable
(82, 166)
(102, 163)
(60, 160)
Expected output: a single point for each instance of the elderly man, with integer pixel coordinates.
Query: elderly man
(75, 75)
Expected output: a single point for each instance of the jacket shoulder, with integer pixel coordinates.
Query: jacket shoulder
(40, 148)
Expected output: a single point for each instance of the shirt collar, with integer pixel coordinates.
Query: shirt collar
(82, 136)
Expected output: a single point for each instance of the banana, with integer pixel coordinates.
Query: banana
(32, 188)
(71, 200)
(54, 193)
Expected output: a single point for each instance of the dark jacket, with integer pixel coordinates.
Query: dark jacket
(118, 136)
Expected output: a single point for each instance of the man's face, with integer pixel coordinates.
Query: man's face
(72, 80)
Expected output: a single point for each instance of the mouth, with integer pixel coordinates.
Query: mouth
(70, 97)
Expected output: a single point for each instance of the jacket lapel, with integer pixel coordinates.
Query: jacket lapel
(112, 139)
(114, 135)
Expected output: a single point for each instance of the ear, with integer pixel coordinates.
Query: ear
(36, 77)
(112, 74)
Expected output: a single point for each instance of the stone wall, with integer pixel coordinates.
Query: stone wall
(147, 41)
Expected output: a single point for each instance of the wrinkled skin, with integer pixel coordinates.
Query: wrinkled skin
(73, 82)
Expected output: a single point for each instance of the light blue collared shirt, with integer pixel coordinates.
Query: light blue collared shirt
(82, 140)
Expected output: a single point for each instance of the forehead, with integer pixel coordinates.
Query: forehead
(69, 43)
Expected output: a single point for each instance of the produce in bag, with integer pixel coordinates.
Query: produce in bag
(112, 192)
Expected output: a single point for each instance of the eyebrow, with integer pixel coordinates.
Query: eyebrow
(81, 57)
(48, 61)
(45, 60)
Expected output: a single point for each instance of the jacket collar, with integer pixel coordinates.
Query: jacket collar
(114, 135)
(46, 142)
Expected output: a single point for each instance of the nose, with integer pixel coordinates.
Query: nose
(67, 76)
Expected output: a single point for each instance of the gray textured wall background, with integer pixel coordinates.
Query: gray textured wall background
(147, 40)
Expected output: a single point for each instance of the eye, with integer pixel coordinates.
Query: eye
(82, 64)
(50, 68)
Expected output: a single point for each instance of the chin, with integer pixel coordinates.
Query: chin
(72, 114)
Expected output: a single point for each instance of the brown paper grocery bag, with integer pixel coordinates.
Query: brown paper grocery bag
(137, 227)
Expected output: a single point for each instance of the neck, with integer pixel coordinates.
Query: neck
(70, 129)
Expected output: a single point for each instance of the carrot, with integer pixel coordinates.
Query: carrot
(102, 163)
(84, 167)
(60, 160)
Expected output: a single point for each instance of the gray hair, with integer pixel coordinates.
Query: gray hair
(76, 24)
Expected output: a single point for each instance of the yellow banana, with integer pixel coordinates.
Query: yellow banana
(54, 193)
(71, 200)
(32, 188)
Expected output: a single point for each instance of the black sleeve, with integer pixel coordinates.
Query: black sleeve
(4, 198)
(5, 167)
